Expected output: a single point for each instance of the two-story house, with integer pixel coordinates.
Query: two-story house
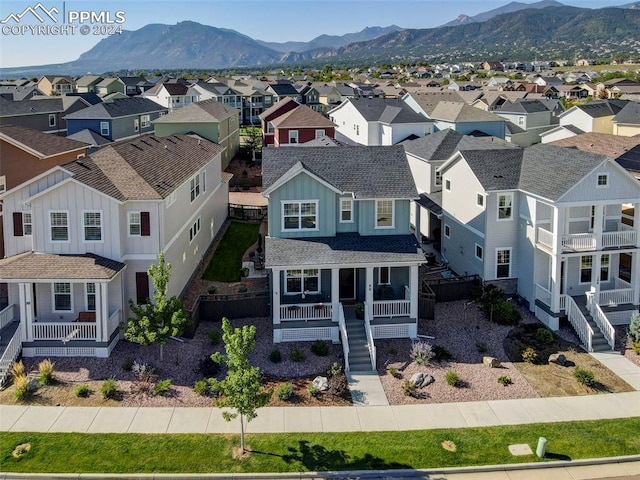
(300, 125)
(110, 85)
(116, 119)
(46, 114)
(526, 120)
(558, 239)
(283, 89)
(221, 93)
(88, 83)
(626, 123)
(81, 237)
(339, 233)
(172, 95)
(276, 110)
(56, 85)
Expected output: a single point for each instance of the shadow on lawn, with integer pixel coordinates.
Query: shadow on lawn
(318, 458)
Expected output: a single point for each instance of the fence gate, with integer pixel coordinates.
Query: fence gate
(247, 212)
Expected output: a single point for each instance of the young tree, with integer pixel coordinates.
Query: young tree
(253, 140)
(242, 386)
(156, 321)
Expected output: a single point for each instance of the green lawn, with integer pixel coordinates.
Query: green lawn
(226, 262)
(86, 453)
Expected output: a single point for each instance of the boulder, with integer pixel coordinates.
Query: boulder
(421, 380)
(321, 383)
(491, 362)
(558, 358)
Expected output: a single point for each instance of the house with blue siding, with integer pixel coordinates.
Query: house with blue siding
(339, 234)
(552, 225)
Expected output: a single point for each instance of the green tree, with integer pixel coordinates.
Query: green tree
(634, 327)
(242, 387)
(155, 322)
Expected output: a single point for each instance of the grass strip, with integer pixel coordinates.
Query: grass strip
(226, 262)
(286, 452)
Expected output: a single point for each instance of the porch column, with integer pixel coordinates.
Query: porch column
(26, 310)
(276, 296)
(635, 277)
(636, 223)
(368, 296)
(558, 230)
(595, 277)
(413, 291)
(416, 208)
(598, 222)
(556, 262)
(102, 327)
(335, 293)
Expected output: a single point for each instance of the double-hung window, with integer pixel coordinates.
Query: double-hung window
(59, 222)
(90, 295)
(302, 281)
(104, 129)
(300, 215)
(293, 136)
(92, 226)
(384, 214)
(62, 297)
(604, 268)
(505, 206)
(384, 276)
(586, 264)
(503, 263)
(346, 210)
(145, 120)
(135, 224)
(195, 187)
(27, 225)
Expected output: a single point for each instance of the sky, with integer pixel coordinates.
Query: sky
(273, 20)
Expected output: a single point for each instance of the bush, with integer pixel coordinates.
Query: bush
(504, 380)
(109, 388)
(544, 336)
(81, 390)
(45, 372)
(505, 313)
(312, 390)
(144, 371)
(393, 372)
(634, 327)
(285, 392)
(529, 355)
(452, 378)
(17, 371)
(408, 388)
(441, 354)
(635, 346)
(296, 355)
(421, 353)
(24, 389)
(207, 367)
(242, 288)
(584, 376)
(161, 387)
(335, 370)
(212, 289)
(214, 337)
(127, 365)
(337, 385)
(275, 356)
(320, 348)
(201, 387)
(481, 347)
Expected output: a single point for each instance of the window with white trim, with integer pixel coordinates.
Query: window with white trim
(300, 215)
(3, 183)
(479, 252)
(194, 187)
(586, 264)
(505, 206)
(503, 263)
(346, 210)
(267, 100)
(320, 133)
(62, 300)
(145, 120)
(27, 226)
(603, 180)
(302, 281)
(136, 125)
(293, 136)
(171, 199)
(135, 224)
(90, 296)
(92, 224)
(604, 268)
(480, 200)
(447, 231)
(384, 214)
(438, 181)
(52, 119)
(194, 230)
(104, 129)
(447, 185)
(59, 223)
(384, 276)
(520, 120)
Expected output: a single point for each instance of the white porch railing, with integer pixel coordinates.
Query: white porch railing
(545, 237)
(391, 308)
(6, 316)
(370, 343)
(623, 238)
(603, 324)
(64, 331)
(543, 295)
(618, 283)
(407, 292)
(306, 311)
(114, 321)
(345, 338)
(579, 323)
(10, 354)
(563, 302)
(616, 297)
(579, 241)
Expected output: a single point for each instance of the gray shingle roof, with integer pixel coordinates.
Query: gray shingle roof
(630, 114)
(367, 172)
(602, 108)
(441, 145)
(344, 248)
(119, 107)
(461, 112)
(523, 107)
(496, 170)
(205, 111)
(45, 266)
(386, 110)
(30, 107)
(630, 159)
(90, 137)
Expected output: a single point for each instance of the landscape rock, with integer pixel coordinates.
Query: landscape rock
(421, 380)
(491, 362)
(558, 358)
(321, 383)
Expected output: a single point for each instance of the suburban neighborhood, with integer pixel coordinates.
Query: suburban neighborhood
(430, 248)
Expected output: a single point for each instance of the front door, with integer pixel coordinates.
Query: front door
(347, 284)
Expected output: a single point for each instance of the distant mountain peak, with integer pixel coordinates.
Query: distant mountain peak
(508, 8)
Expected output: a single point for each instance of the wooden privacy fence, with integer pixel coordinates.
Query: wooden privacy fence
(453, 288)
(247, 212)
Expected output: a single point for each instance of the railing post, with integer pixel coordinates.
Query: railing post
(369, 290)
(413, 291)
(598, 219)
(335, 293)
(275, 297)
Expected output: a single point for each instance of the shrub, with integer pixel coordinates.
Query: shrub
(109, 388)
(504, 380)
(45, 372)
(529, 355)
(408, 388)
(201, 387)
(335, 370)
(144, 371)
(337, 385)
(312, 390)
(214, 337)
(393, 372)
(296, 355)
(207, 367)
(212, 289)
(441, 354)
(24, 389)
(421, 353)
(17, 370)
(81, 390)
(584, 376)
(505, 313)
(320, 348)
(452, 378)
(243, 288)
(544, 336)
(161, 387)
(634, 327)
(275, 356)
(285, 392)
(127, 365)
(481, 347)
(635, 346)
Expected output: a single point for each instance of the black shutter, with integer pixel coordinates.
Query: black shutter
(142, 288)
(145, 225)
(17, 224)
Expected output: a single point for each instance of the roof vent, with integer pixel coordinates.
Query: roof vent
(498, 176)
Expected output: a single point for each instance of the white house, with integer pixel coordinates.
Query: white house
(80, 238)
(172, 94)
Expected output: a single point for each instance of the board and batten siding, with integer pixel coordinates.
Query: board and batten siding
(504, 234)
(303, 187)
(139, 244)
(623, 187)
(460, 202)
(344, 227)
(460, 247)
(367, 218)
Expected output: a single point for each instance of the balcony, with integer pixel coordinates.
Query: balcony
(624, 236)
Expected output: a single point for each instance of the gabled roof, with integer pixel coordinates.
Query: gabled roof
(495, 169)
(147, 168)
(218, 88)
(88, 80)
(40, 144)
(170, 87)
(461, 112)
(429, 100)
(601, 143)
(302, 117)
(204, 111)
(367, 172)
(18, 93)
(30, 107)
(630, 114)
(118, 107)
(276, 106)
(523, 107)
(108, 81)
(386, 110)
(599, 108)
(630, 160)
(283, 89)
(441, 145)
(89, 137)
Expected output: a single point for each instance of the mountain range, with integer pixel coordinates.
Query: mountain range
(516, 31)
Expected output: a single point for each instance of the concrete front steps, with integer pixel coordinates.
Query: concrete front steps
(598, 342)
(359, 355)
